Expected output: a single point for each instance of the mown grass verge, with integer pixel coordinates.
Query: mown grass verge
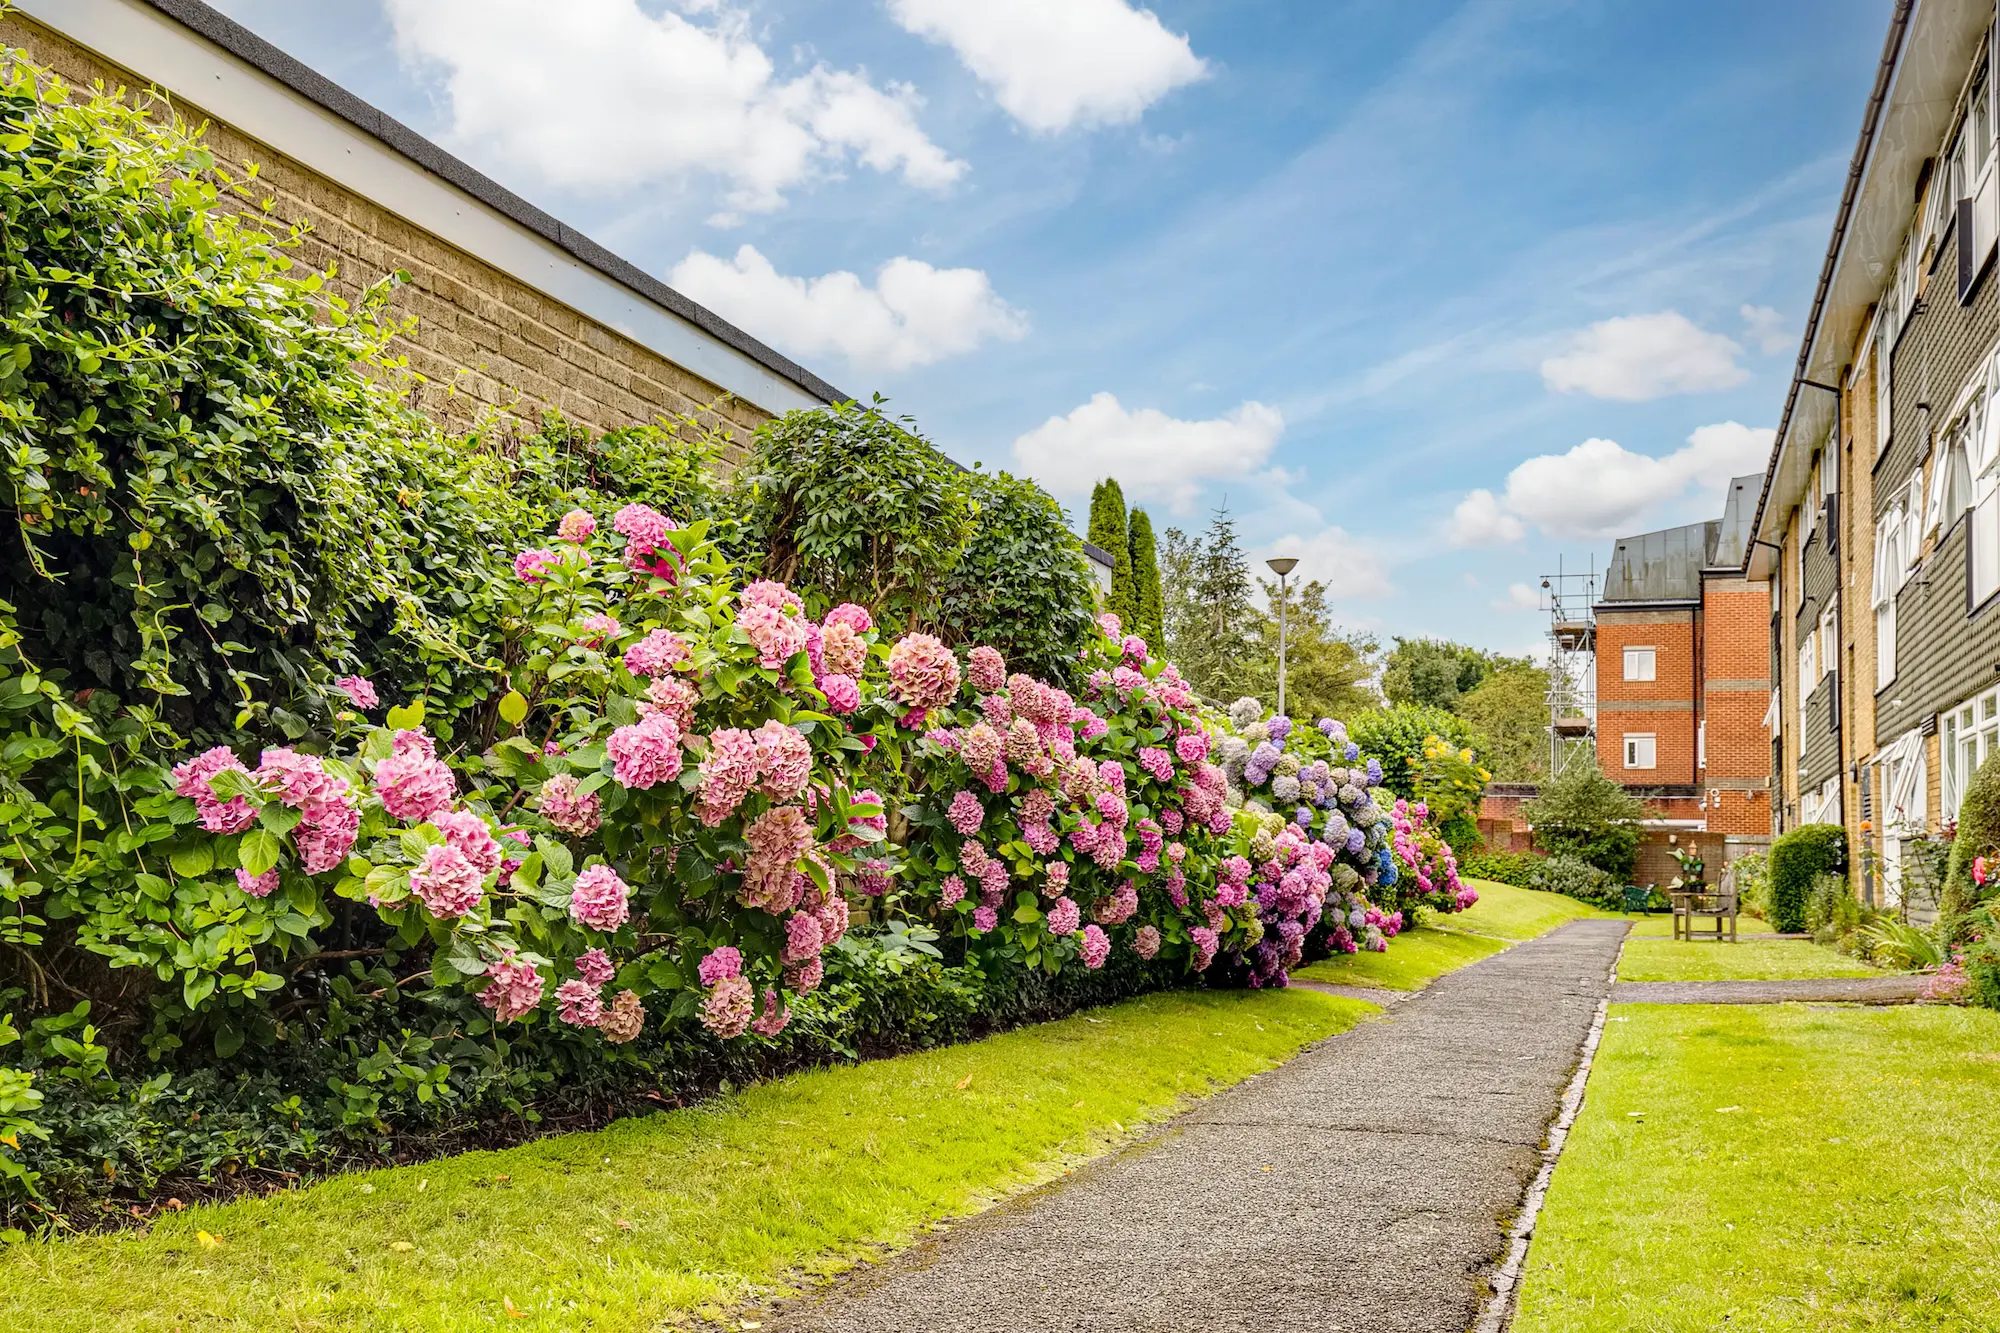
(1653, 959)
(1777, 1168)
(647, 1223)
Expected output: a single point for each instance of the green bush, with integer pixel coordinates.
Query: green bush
(1978, 836)
(1586, 815)
(1833, 912)
(1577, 878)
(1797, 859)
(1517, 868)
(1751, 876)
(1022, 584)
(1397, 736)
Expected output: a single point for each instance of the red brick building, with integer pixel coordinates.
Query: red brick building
(1684, 687)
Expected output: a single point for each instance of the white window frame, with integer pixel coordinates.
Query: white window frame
(1885, 360)
(1903, 784)
(1829, 641)
(1968, 732)
(1808, 669)
(1809, 521)
(1701, 744)
(1642, 663)
(1642, 745)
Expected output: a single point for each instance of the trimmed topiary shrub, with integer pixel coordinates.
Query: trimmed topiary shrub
(1588, 816)
(1796, 858)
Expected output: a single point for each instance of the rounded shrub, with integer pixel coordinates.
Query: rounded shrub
(1978, 836)
(1576, 878)
(1796, 858)
(1516, 868)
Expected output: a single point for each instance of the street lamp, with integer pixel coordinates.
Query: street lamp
(1282, 566)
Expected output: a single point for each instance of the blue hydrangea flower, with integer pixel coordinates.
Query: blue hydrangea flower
(1356, 840)
(1353, 752)
(1374, 772)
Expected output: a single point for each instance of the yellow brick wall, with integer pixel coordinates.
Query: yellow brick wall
(484, 340)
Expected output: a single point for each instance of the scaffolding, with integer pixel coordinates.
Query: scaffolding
(1570, 599)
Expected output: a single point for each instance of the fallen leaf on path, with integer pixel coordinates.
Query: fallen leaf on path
(208, 1242)
(965, 1082)
(512, 1313)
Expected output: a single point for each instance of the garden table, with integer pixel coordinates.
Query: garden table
(1704, 902)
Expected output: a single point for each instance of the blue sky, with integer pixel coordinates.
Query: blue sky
(1430, 292)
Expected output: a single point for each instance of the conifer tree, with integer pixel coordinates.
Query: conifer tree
(1108, 529)
(1147, 607)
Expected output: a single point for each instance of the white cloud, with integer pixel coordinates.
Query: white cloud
(914, 314)
(1057, 63)
(601, 95)
(1769, 330)
(1350, 566)
(1602, 489)
(1480, 520)
(1636, 357)
(1520, 597)
(1154, 456)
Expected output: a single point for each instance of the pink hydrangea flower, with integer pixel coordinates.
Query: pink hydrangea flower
(1058, 873)
(986, 669)
(191, 779)
(1064, 917)
(569, 810)
(832, 914)
(805, 978)
(804, 938)
(596, 628)
(468, 832)
(1095, 947)
(576, 526)
(922, 672)
(413, 782)
(854, 617)
(324, 840)
(772, 1021)
(445, 882)
(1112, 626)
(641, 523)
(1158, 763)
(776, 636)
(727, 1010)
(513, 989)
(727, 774)
(1192, 746)
(951, 890)
(360, 691)
(674, 697)
(777, 838)
(599, 899)
(1146, 941)
(1134, 648)
(646, 753)
(578, 1004)
(985, 918)
(720, 965)
(625, 1019)
(532, 566)
(1119, 907)
(872, 878)
(1205, 944)
(843, 694)
(784, 757)
(595, 967)
(655, 655)
(965, 813)
(257, 886)
(981, 747)
(842, 650)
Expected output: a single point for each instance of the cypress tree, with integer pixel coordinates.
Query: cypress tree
(1146, 582)
(1108, 530)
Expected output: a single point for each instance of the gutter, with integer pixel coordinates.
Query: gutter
(1871, 122)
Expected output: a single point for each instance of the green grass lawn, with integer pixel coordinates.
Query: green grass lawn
(1516, 914)
(1794, 1170)
(1655, 959)
(1502, 916)
(642, 1225)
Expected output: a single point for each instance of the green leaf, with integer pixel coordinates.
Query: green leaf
(1027, 913)
(258, 851)
(408, 717)
(556, 857)
(513, 708)
(192, 862)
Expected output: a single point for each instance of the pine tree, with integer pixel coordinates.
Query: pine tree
(1211, 642)
(1147, 605)
(1108, 529)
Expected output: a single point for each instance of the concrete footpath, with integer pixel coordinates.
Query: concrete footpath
(1362, 1186)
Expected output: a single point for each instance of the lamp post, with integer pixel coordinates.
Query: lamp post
(1282, 566)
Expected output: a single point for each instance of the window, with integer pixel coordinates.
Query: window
(1809, 520)
(1901, 779)
(1640, 750)
(1641, 663)
(1885, 359)
(1967, 734)
(1893, 557)
(1808, 670)
(1829, 641)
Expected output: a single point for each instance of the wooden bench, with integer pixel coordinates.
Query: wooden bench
(1704, 902)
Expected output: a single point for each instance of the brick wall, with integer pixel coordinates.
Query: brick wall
(486, 341)
(1663, 706)
(1736, 695)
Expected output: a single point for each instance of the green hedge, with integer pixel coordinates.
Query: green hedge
(1519, 869)
(1796, 858)
(1576, 878)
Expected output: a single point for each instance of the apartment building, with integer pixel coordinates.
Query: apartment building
(1683, 687)
(1878, 523)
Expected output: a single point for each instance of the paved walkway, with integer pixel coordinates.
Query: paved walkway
(1362, 1186)
(1829, 990)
